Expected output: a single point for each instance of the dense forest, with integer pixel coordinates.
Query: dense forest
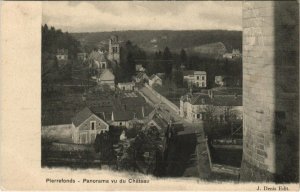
(153, 40)
(53, 39)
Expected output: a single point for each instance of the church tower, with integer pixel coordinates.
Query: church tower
(114, 49)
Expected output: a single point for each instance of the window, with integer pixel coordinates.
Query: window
(203, 84)
(203, 101)
(198, 77)
(198, 116)
(120, 124)
(92, 125)
(103, 65)
(201, 116)
(203, 78)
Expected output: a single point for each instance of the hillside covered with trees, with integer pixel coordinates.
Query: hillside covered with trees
(53, 39)
(153, 40)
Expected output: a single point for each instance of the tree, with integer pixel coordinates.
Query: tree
(147, 141)
(167, 56)
(103, 145)
(183, 57)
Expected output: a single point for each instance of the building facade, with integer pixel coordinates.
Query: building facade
(129, 86)
(201, 106)
(62, 54)
(107, 78)
(85, 127)
(195, 78)
(155, 80)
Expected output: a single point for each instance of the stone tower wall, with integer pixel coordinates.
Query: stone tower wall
(114, 43)
(270, 91)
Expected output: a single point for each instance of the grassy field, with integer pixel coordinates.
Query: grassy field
(59, 134)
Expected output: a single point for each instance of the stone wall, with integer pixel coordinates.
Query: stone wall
(270, 91)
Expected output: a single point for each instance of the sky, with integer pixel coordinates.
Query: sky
(96, 16)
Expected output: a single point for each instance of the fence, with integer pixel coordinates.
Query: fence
(217, 168)
(163, 99)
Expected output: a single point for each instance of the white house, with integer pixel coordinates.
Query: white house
(128, 86)
(196, 78)
(139, 68)
(200, 106)
(155, 80)
(62, 54)
(234, 54)
(86, 125)
(193, 107)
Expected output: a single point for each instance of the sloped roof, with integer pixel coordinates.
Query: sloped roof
(159, 121)
(133, 101)
(96, 55)
(105, 72)
(227, 100)
(197, 99)
(192, 72)
(122, 115)
(81, 116)
(154, 76)
(139, 67)
(141, 75)
(188, 72)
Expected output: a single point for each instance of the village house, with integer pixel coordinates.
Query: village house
(128, 86)
(62, 54)
(217, 104)
(141, 77)
(234, 54)
(97, 60)
(139, 68)
(86, 125)
(155, 80)
(81, 56)
(62, 57)
(121, 118)
(106, 77)
(193, 107)
(195, 78)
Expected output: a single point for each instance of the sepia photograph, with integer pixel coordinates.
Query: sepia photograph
(205, 90)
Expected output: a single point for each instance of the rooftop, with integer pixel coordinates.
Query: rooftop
(192, 72)
(81, 116)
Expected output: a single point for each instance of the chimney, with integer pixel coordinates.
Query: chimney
(103, 115)
(211, 94)
(143, 111)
